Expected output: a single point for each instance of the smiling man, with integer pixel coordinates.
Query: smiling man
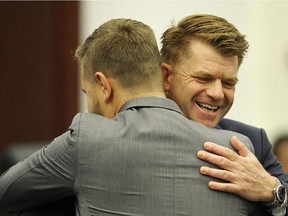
(202, 55)
(203, 84)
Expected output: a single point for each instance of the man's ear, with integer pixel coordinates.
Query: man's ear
(105, 85)
(166, 72)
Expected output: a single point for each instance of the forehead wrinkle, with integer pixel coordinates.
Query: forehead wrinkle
(202, 57)
(218, 68)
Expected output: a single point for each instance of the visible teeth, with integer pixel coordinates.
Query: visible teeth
(206, 106)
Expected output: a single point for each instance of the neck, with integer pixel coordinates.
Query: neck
(120, 96)
(123, 99)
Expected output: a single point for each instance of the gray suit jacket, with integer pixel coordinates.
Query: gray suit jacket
(142, 162)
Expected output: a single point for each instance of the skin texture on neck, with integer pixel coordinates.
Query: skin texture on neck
(106, 96)
(121, 96)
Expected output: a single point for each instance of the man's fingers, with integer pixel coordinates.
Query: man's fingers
(215, 159)
(225, 187)
(228, 186)
(239, 146)
(217, 173)
(221, 151)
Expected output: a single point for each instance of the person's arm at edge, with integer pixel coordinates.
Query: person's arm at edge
(47, 175)
(239, 171)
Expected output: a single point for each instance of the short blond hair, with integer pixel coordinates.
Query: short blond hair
(124, 49)
(214, 30)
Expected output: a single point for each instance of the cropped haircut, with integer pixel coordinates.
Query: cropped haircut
(213, 30)
(124, 49)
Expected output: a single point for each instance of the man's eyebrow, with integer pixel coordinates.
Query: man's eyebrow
(205, 74)
(232, 79)
(202, 73)
(83, 91)
(227, 78)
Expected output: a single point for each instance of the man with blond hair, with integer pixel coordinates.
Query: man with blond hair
(202, 55)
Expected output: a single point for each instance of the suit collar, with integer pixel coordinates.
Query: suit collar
(218, 127)
(159, 102)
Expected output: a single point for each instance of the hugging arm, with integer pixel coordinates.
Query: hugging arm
(46, 176)
(244, 174)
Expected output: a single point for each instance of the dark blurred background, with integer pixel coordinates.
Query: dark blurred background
(39, 80)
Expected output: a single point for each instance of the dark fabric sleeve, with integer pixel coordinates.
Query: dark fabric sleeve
(270, 161)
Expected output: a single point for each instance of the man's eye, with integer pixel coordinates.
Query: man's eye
(229, 84)
(202, 79)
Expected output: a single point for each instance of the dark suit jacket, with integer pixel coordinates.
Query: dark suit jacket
(142, 162)
(263, 150)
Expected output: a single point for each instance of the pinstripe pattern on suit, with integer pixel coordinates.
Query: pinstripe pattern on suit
(142, 162)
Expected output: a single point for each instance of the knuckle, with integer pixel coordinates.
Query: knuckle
(227, 152)
(222, 161)
(224, 175)
(228, 188)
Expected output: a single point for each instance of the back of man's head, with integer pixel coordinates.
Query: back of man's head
(124, 49)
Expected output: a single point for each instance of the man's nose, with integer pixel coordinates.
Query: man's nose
(215, 90)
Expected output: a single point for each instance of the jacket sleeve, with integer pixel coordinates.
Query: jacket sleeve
(269, 160)
(46, 176)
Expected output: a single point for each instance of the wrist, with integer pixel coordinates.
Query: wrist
(279, 196)
(269, 195)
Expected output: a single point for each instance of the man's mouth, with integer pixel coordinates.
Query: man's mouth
(207, 107)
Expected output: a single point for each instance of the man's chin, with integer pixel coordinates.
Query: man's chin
(207, 122)
(207, 118)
